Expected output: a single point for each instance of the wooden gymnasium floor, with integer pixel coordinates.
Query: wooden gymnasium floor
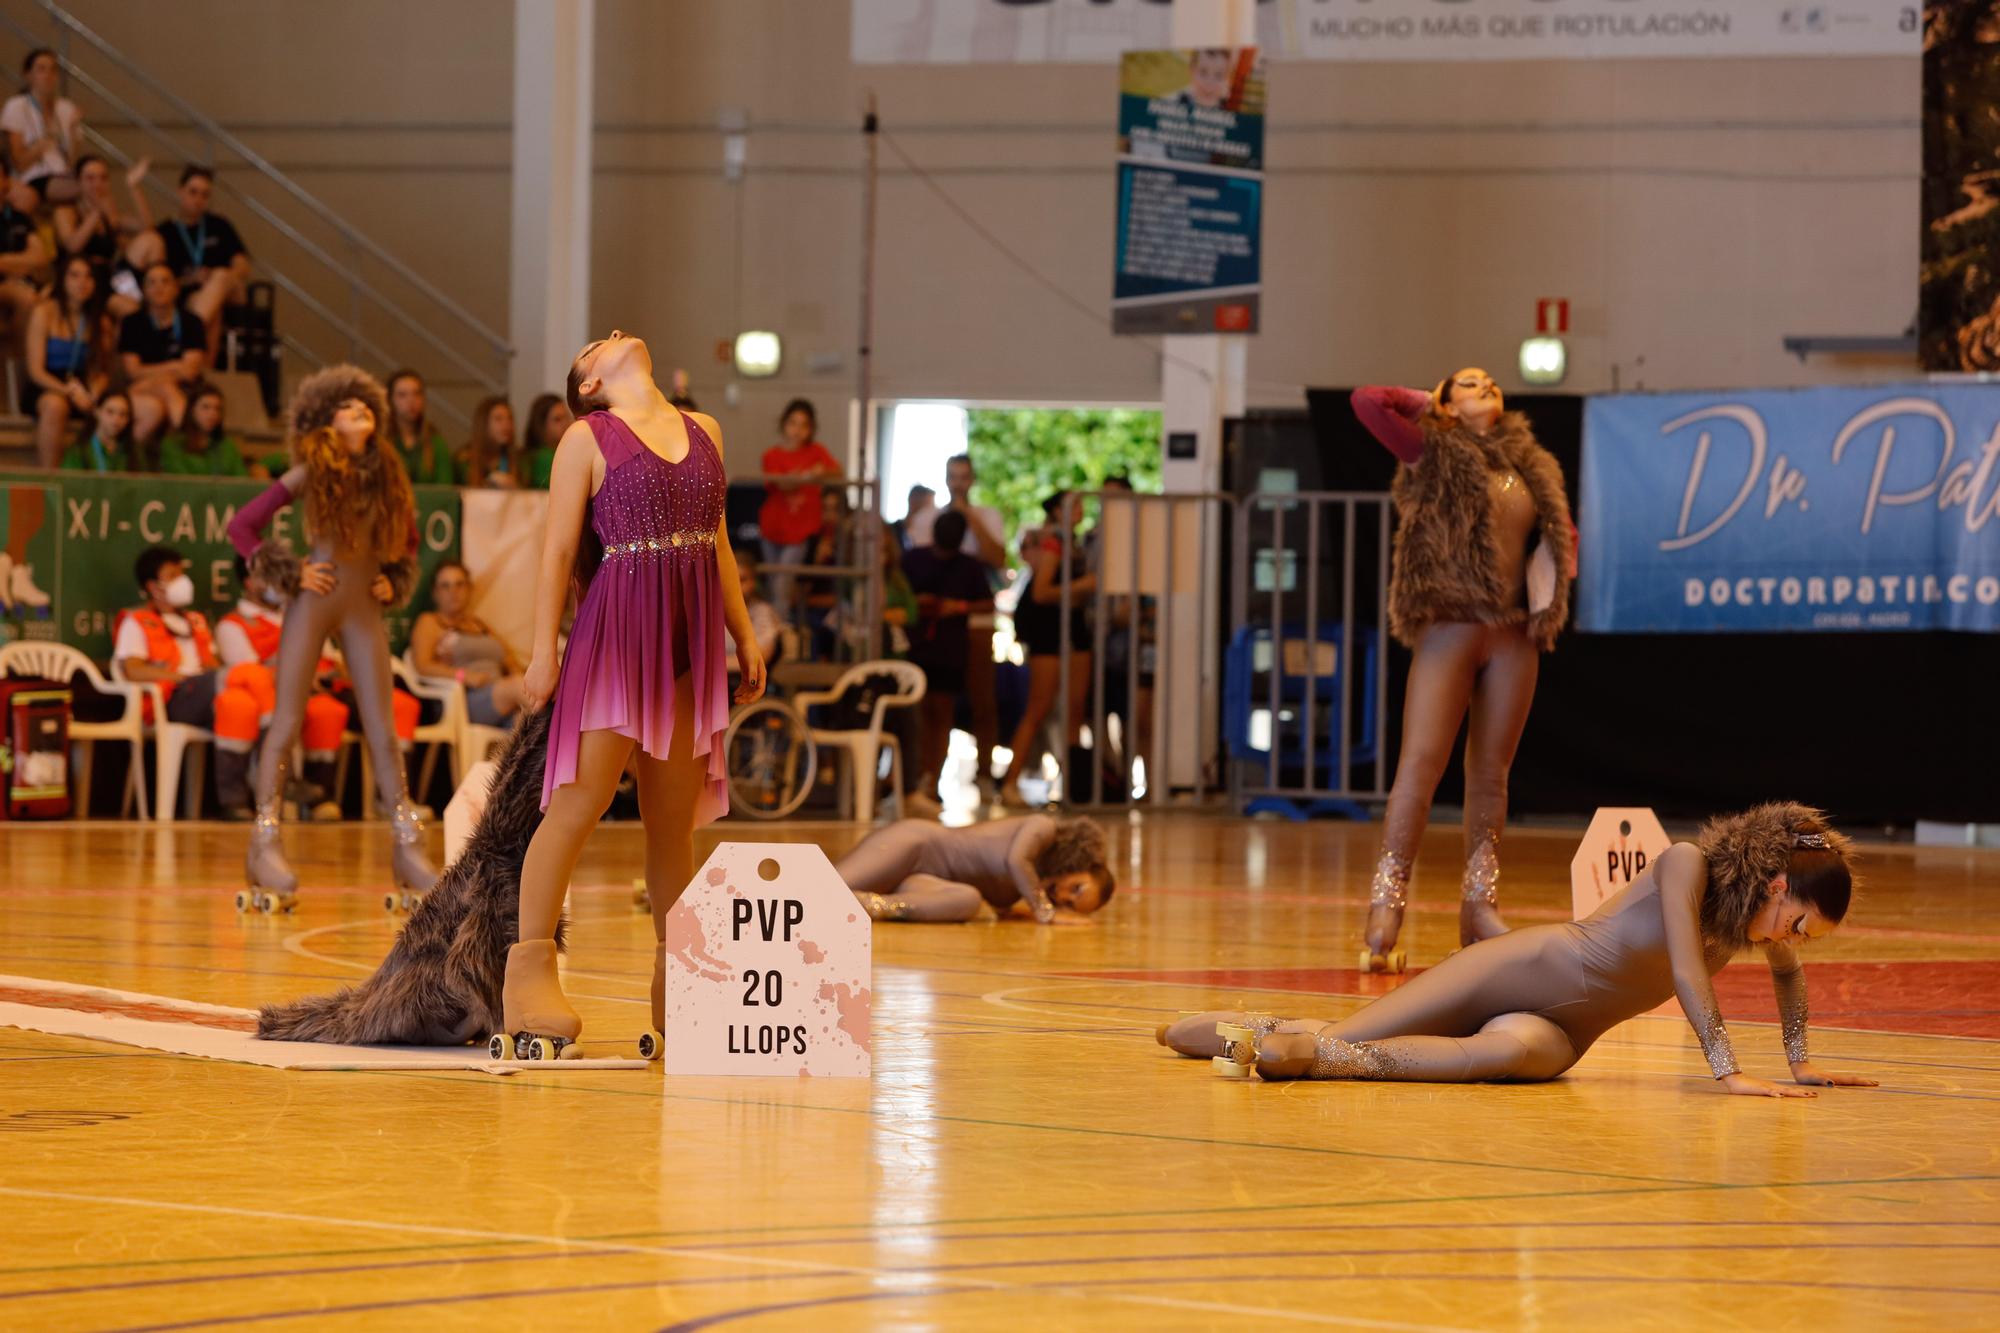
(1025, 1156)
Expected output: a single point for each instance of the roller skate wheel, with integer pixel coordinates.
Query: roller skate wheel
(641, 898)
(1398, 960)
(267, 903)
(1228, 1068)
(501, 1046)
(569, 1051)
(544, 1048)
(650, 1046)
(413, 900)
(245, 900)
(390, 902)
(1234, 1032)
(1370, 961)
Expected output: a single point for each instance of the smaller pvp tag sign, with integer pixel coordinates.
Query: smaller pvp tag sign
(768, 967)
(1616, 849)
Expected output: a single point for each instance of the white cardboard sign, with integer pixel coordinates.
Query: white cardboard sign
(1616, 849)
(768, 967)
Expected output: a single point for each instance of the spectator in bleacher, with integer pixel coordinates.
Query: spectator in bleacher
(24, 259)
(162, 347)
(206, 255)
(108, 447)
(951, 587)
(548, 418)
(764, 618)
(165, 643)
(790, 518)
(202, 447)
(489, 458)
(451, 642)
(425, 452)
(120, 246)
(68, 358)
(44, 134)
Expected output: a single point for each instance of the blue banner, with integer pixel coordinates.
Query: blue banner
(1783, 510)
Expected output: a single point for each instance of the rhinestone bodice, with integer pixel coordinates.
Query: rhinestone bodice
(649, 508)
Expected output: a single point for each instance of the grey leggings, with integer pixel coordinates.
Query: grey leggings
(351, 612)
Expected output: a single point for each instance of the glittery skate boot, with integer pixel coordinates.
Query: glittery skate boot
(270, 884)
(1196, 1034)
(1388, 895)
(537, 1021)
(884, 906)
(1479, 908)
(412, 869)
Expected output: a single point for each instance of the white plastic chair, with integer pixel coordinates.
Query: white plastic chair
(864, 745)
(471, 742)
(60, 662)
(173, 743)
(445, 731)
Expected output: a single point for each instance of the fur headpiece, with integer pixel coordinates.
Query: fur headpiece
(1746, 851)
(1079, 844)
(320, 395)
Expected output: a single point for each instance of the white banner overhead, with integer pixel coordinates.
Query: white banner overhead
(922, 32)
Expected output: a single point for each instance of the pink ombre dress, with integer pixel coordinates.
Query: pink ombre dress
(652, 610)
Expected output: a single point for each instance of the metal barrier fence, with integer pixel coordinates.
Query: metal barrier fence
(1318, 726)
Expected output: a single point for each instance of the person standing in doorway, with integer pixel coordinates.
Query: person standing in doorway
(790, 518)
(986, 542)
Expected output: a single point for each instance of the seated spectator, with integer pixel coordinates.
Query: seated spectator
(68, 358)
(108, 447)
(24, 259)
(205, 254)
(164, 643)
(764, 618)
(950, 586)
(203, 447)
(487, 459)
(426, 454)
(251, 633)
(119, 245)
(548, 418)
(162, 349)
(44, 132)
(449, 641)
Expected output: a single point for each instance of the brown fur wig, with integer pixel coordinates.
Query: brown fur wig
(1746, 851)
(357, 502)
(1079, 844)
(1447, 562)
(440, 985)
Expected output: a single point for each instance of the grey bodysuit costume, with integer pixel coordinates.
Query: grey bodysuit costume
(352, 613)
(996, 859)
(1526, 1005)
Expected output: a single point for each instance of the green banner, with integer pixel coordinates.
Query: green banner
(76, 536)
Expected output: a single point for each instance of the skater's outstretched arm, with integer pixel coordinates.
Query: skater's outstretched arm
(1683, 879)
(1788, 979)
(1022, 853)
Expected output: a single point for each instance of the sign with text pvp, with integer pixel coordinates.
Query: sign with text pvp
(767, 967)
(1805, 509)
(1190, 191)
(1616, 849)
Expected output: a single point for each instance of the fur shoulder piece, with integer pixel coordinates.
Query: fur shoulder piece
(1746, 851)
(402, 580)
(1510, 436)
(320, 395)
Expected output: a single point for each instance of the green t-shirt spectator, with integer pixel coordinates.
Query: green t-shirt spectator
(429, 462)
(91, 454)
(222, 458)
(539, 465)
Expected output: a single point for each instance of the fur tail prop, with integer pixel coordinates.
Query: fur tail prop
(440, 984)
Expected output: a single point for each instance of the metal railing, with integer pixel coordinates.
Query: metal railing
(1299, 753)
(491, 378)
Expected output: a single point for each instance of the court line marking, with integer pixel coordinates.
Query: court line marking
(657, 1251)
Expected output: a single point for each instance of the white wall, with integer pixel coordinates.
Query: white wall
(1692, 212)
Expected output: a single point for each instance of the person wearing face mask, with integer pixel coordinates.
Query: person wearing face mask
(166, 643)
(1478, 590)
(1524, 1006)
(916, 870)
(361, 526)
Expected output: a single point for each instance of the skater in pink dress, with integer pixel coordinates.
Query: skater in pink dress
(644, 667)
